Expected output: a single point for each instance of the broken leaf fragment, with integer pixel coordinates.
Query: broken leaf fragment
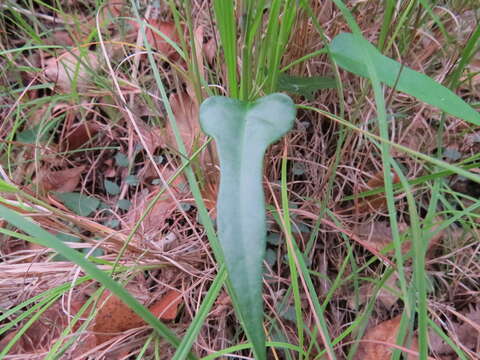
(115, 316)
(70, 69)
(61, 180)
(379, 342)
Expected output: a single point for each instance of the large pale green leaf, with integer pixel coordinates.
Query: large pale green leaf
(347, 52)
(243, 132)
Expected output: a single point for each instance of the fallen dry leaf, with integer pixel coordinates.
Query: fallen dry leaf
(79, 135)
(115, 316)
(210, 50)
(47, 328)
(209, 191)
(386, 297)
(185, 110)
(60, 181)
(375, 343)
(375, 202)
(167, 307)
(63, 69)
(372, 203)
(467, 333)
(116, 7)
(154, 221)
(61, 37)
(379, 234)
(150, 136)
(418, 135)
(158, 41)
(198, 40)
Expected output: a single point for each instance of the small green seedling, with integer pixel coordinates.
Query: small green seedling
(243, 131)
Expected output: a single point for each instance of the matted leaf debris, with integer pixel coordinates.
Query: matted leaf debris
(101, 147)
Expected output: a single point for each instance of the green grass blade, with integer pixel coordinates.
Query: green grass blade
(291, 258)
(48, 240)
(348, 51)
(187, 341)
(225, 16)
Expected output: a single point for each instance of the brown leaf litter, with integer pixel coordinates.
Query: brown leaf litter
(61, 180)
(466, 330)
(112, 319)
(75, 67)
(379, 341)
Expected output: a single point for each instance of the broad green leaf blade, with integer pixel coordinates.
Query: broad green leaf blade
(346, 50)
(243, 132)
(80, 204)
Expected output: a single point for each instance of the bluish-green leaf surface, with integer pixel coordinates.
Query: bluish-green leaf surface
(347, 52)
(243, 131)
(80, 204)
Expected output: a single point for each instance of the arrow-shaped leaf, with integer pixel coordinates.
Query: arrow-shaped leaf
(347, 52)
(243, 132)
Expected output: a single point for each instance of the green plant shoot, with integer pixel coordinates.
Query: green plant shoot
(243, 131)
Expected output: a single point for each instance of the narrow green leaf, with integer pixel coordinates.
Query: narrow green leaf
(305, 85)
(243, 131)
(347, 51)
(6, 187)
(80, 204)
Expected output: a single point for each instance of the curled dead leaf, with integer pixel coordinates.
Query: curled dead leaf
(379, 234)
(61, 180)
(114, 316)
(167, 307)
(79, 135)
(185, 110)
(69, 67)
(378, 342)
(40, 335)
(386, 295)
